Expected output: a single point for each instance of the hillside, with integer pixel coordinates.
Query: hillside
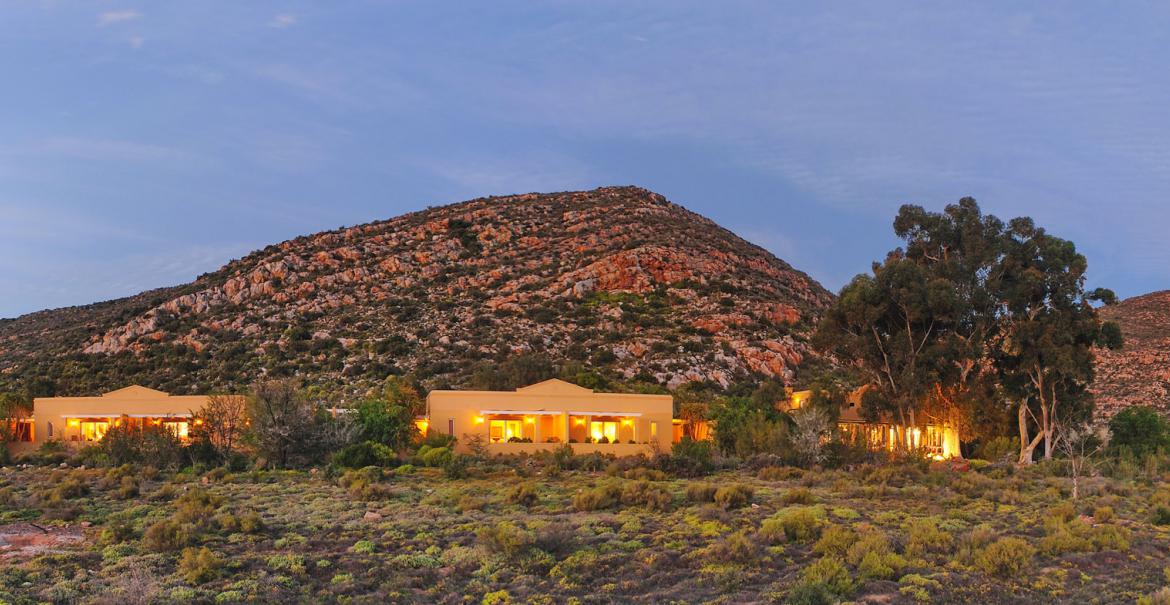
(1139, 373)
(618, 279)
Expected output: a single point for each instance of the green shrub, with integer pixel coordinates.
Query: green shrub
(799, 524)
(925, 537)
(436, 457)
(199, 565)
(835, 541)
(800, 495)
(524, 494)
(1139, 429)
(1103, 514)
(363, 547)
(505, 538)
(874, 557)
(647, 494)
(827, 576)
(168, 535)
(601, 497)
(779, 473)
(363, 454)
(1005, 558)
(701, 492)
(291, 563)
(735, 495)
(499, 597)
(1161, 515)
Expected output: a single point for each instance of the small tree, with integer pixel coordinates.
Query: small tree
(222, 422)
(811, 428)
(284, 423)
(387, 423)
(1080, 446)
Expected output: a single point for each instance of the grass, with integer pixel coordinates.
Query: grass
(880, 535)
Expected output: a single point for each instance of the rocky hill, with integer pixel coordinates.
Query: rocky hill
(619, 280)
(1139, 373)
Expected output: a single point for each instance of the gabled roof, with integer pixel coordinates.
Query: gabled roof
(554, 386)
(136, 391)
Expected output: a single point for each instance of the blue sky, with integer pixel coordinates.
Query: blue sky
(142, 144)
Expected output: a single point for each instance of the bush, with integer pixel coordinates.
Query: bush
(168, 535)
(1141, 429)
(363, 454)
(1161, 515)
(647, 494)
(799, 524)
(505, 538)
(524, 494)
(733, 496)
(691, 458)
(925, 537)
(825, 581)
(779, 473)
(434, 456)
(875, 557)
(603, 496)
(701, 492)
(199, 565)
(1005, 558)
(800, 495)
(835, 541)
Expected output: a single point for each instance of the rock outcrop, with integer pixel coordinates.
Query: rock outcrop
(1138, 373)
(618, 279)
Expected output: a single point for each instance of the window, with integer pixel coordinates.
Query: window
(606, 429)
(500, 431)
(653, 430)
(177, 427)
(450, 426)
(50, 430)
(94, 430)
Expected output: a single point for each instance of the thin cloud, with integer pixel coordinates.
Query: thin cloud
(112, 17)
(283, 21)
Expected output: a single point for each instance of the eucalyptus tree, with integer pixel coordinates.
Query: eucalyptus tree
(1047, 327)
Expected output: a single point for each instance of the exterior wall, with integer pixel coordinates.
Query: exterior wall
(557, 411)
(66, 413)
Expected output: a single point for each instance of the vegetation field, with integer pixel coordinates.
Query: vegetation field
(555, 529)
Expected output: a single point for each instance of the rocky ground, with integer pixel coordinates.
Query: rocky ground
(1139, 373)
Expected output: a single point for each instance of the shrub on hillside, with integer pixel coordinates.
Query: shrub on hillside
(363, 454)
(701, 492)
(1005, 557)
(798, 524)
(826, 581)
(644, 493)
(733, 496)
(606, 495)
(1141, 430)
(199, 565)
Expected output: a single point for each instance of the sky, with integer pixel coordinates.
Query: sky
(142, 144)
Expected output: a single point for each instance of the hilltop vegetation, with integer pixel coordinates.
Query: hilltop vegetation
(618, 280)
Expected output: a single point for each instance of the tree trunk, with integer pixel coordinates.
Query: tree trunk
(1026, 446)
(1046, 430)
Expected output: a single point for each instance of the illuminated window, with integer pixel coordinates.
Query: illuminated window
(503, 430)
(94, 430)
(607, 429)
(653, 430)
(178, 428)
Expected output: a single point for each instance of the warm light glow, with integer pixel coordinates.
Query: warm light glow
(479, 419)
(74, 423)
(627, 422)
(529, 420)
(579, 421)
(198, 422)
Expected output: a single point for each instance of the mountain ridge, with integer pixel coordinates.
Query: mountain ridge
(618, 280)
